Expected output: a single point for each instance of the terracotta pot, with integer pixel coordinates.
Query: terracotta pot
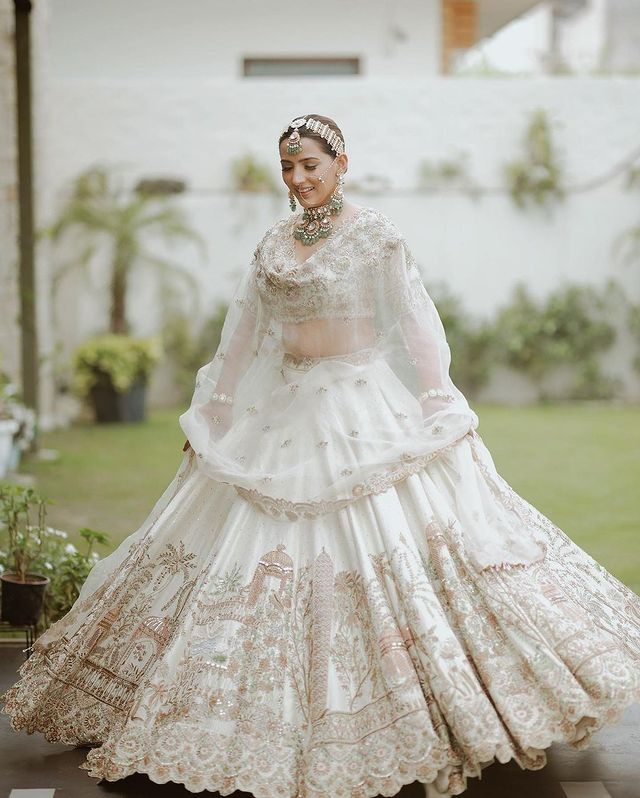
(22, 602)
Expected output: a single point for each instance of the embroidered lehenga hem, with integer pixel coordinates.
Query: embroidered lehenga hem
(296, 663)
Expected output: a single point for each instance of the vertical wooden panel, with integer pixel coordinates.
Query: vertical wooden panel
(459, 28)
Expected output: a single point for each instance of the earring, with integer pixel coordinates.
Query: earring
(337, 198)
(292, 201)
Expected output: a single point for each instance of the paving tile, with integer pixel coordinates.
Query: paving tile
(44, 793)
(585, 789)
(623, 789)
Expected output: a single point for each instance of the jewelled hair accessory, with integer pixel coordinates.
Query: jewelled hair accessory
(322, 129)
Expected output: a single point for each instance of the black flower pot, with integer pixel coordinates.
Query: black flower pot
(22, 602)
(110, 405)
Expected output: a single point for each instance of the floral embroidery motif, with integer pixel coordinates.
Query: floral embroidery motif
(269, 633)
(327, 290)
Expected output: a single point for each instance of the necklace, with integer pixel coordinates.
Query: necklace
(316, 223)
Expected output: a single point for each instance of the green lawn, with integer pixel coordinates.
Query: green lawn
(578, 464)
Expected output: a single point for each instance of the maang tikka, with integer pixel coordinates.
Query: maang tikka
(322, 129)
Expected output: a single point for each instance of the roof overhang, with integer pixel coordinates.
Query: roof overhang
(495, 14)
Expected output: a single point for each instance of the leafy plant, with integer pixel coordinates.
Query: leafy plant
(101, 210)
(122, 358)
(188, 350)
(34, 547)
(251, 175)
(24, 533)
(67, 568)
(567, 328)
(472, 343)
(627, 244)
(537, 176)
(12, 407)
(633, 319)
(447, 172)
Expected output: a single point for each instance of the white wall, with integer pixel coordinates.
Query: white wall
(166, 40)
(193, 130)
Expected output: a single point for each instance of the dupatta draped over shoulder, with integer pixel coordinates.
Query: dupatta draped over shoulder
(338, 369)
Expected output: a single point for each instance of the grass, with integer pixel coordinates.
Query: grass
(577, 464)
(108, 477)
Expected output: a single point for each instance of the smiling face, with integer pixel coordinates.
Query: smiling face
(300, 172)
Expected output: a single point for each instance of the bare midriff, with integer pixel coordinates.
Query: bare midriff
(327, 337)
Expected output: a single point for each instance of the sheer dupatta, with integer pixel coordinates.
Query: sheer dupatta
(331, 382)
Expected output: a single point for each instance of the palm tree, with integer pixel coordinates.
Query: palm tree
(101, 210)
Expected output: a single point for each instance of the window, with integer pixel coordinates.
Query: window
(299, 67)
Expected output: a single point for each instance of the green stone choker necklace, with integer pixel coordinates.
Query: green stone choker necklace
(316, 223)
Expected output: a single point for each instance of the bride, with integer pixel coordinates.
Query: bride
(337, 594)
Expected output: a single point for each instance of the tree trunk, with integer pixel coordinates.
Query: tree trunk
(118, 312)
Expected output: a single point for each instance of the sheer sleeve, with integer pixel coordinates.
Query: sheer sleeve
(221, 383)
(415, 336)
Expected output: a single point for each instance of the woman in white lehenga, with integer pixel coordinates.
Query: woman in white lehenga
(337, 594)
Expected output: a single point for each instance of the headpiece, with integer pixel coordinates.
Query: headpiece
(322, 129)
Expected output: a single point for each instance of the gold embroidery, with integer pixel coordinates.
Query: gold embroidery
(408, 662)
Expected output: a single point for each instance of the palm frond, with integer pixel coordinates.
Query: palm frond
(170, 271)
(79, 262)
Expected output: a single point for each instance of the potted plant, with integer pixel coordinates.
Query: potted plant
(113, 371)
(17, 426)
(22, 591)
(8, 429)
(104, 214)
(65, 565)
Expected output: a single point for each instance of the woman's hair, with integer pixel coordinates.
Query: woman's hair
(309, 134)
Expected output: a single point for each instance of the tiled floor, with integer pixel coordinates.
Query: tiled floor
(610, 768)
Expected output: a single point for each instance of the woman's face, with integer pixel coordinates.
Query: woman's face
(300, 172)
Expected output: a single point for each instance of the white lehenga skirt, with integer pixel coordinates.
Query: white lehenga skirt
(342, 655)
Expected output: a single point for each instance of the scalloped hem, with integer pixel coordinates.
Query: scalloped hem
(448, 779)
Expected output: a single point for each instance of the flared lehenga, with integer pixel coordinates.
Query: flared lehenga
(340, 653)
